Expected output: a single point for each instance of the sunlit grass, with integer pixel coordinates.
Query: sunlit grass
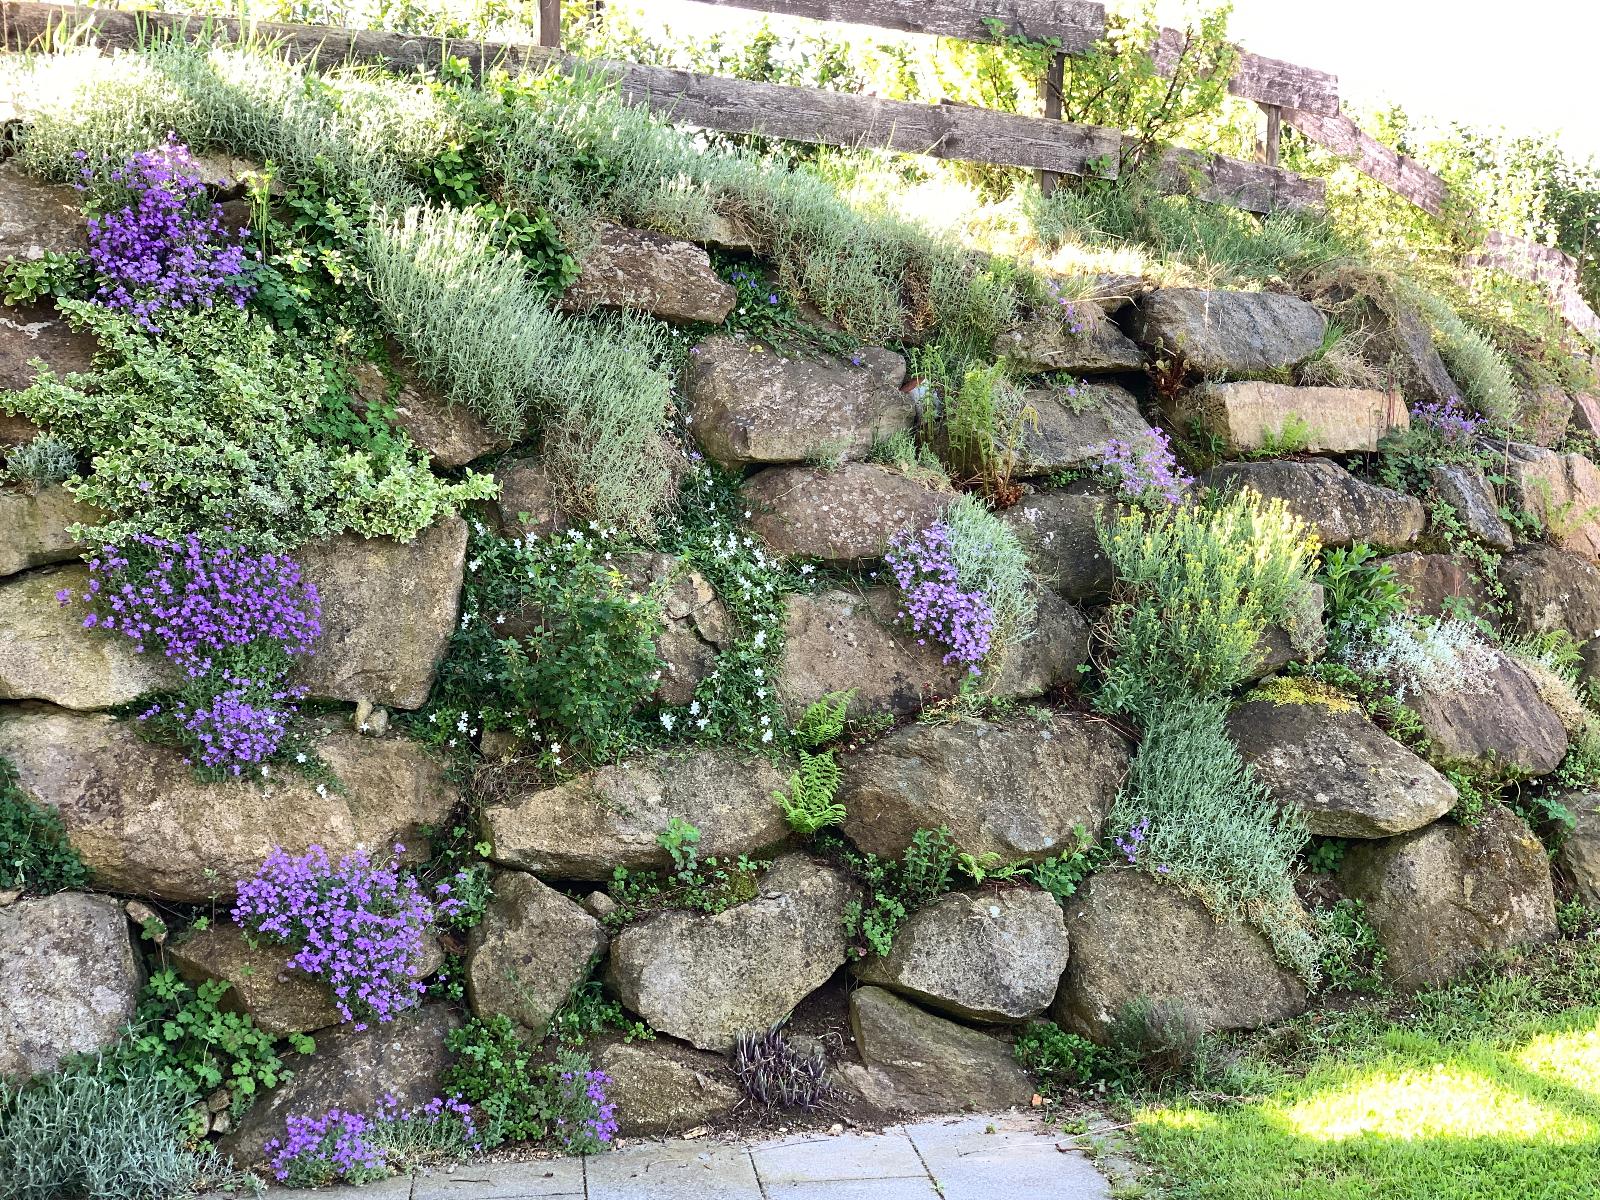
(1471, 1096)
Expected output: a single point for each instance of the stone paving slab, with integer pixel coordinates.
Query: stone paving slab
(1008, 1156)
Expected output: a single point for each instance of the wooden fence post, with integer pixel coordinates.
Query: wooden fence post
(1274, 133)
(1050, 92)
(550, 23)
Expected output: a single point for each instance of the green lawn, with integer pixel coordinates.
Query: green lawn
(1484, 1092)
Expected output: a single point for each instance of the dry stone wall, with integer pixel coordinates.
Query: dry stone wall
(928, 1025)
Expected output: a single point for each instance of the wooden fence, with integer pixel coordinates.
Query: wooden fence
(1305, 99)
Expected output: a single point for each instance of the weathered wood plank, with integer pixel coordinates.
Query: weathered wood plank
(1077, 24)
(1553, 269)
(1264, 80)
(730, 105)
(1400, 172)
(1252, 186)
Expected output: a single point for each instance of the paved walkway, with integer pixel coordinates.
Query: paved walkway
(1007, 1157)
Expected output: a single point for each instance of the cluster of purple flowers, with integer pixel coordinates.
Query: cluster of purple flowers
(1146, 467)
(1130, 842)
(359, 926)
(344, 1145)
(1068, 310)
(587, 1120)
(932, 599)
(165, 246)
(1449, 419)
(229, 619)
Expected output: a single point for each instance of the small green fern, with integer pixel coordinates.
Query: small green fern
(808, 805)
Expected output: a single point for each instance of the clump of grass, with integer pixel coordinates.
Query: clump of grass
(476, 326)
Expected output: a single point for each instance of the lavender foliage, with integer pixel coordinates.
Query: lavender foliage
(932, 600)
(159, 242)
(230, 620)
(359, 926)
(1146, 468)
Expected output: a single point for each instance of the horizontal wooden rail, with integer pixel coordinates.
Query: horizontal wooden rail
(1264, 80)
(1076, 24)
(1398, 171)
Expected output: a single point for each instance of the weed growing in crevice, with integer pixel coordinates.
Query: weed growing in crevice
(708, 886)
(35, 856)
(808, 804)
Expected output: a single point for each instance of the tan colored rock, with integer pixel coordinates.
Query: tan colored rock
(70, 980)
(451, 435)
(1464, 489)
(1446, 896)
(662, 1087)
(14, 431)
(844, 516)
(1134, 937)
(706, 978)
(388, 610)
(527, 505)
(1549, 590)
(1441, 585)
(988, 957)
(38, 218)
(749, 404)
(532, 948)
(1500, 720)
(669, 279)
(841, 640)
(1220, 334)
(1562, 490)
(47, 654)
(698, 625)
(1070, 426)
(1579, 853)
(261, 983)
(611, 817)
(34, 527)
(1058, 531)
(145, 826)
(915, 1062)
(1339, 508)
(1017, 788)
(1254, 416)
(38, 332)
(1077, 338)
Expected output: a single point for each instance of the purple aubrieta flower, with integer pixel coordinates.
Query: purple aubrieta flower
(1455, 426)
(588, 1120)
(360, 927)
(346, 1145)
(1145, 467)
(932, 600)
(165, 247)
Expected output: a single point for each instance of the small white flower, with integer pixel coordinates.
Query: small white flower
(766, 735)
(322, 789)
(694, 709)
(668, 721)
(299, 758)
(703, 722)
(760, 639)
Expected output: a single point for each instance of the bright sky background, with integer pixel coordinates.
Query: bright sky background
(1528, 66)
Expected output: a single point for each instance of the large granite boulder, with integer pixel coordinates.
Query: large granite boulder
(1339, 508)
(706, 978)
(37, 332)
(47, 654)
(838, 640)
(585, 827)
(1442, 585)
(261, 983)
(1561, 490)
(984, 957)
(646, 272)
(1550, 590)
(1499, 720)
(1258, 416)
(70, 981)
(915, 1062)
(843, 516)
(143, 824)
(38, 218)
(1016, 788)
(1071, 426)
(1464, 489)
(1135, 937)
(532, 948)
(1078, 339)
(1058, 531)
(351, 1070)
(1448, 895)
(451, 435)
(750, 405)
(34, 527)
(1346, 775)
(388, 610)
(1226, 333)
(1579, 853)
(662, 1087)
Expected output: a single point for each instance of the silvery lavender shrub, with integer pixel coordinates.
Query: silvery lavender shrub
(776, 1075)
(45, 460)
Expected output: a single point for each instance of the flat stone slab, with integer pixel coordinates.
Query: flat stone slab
(1256, 415)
